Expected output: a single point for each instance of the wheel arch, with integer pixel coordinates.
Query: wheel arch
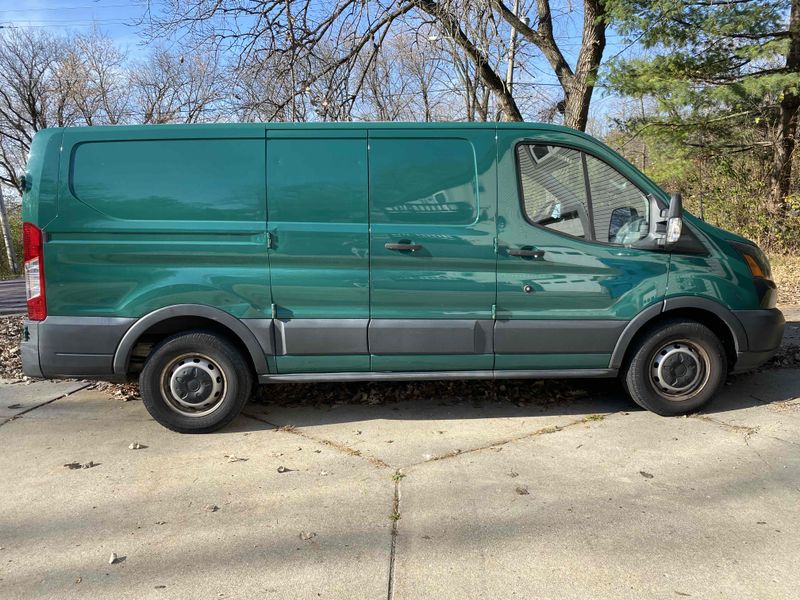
(712, 314)
(181, 317)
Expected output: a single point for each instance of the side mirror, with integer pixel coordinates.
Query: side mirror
(666, 223)
(674, 219)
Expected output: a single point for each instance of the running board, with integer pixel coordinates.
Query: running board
(437, 375)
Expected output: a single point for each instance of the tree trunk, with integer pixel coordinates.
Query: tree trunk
(593, 42)
(780, 178)
(7, 239)
(577, 85)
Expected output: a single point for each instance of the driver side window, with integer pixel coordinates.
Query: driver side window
(577, 194)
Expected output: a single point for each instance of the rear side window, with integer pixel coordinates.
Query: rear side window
(179, 180)
(577, 194)
(423, 181)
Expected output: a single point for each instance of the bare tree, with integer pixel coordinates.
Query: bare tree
(170, 88)
(27, 61)
(101, 96)
(358, 28)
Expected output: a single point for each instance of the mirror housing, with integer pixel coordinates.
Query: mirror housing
(666, 224)
(674, 219)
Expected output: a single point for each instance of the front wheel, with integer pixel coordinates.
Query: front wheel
(676, 368)
(195, 382)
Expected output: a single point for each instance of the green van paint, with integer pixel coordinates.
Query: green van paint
(352, 250)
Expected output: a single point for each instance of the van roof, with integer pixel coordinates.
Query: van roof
(491, 125)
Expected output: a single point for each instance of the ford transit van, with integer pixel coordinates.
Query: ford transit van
(203, 259)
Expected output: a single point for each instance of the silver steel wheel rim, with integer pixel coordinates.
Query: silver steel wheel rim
(193, 385)
(679, 370)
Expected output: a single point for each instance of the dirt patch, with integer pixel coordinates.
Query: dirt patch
(787, 356)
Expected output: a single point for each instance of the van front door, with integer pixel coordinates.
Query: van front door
(318, 224)
(432, 262)
(567, 284)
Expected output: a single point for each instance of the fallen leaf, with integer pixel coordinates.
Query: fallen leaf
(232, 458)
(646, 475)
(522, 490)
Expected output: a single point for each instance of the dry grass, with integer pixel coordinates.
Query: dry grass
(786, 271)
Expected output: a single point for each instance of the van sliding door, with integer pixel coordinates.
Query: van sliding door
(432, 219)
(318, 224)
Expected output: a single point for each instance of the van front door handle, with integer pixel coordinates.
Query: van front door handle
(402, 247)
(524, 253)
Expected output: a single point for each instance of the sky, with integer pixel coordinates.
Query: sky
(117, 18)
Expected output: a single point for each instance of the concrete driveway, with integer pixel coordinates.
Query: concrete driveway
(438, 497)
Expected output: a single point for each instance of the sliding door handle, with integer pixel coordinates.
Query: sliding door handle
(400, 247)
(525, 253)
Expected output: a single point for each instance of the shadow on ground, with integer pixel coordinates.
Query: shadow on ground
(329, 403)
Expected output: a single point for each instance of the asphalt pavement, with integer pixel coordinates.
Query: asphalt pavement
(12, 296)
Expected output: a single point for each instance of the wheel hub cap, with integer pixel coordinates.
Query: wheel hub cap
(194, 385)
(677, 368)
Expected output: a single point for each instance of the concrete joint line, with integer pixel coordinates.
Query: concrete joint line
(45, 403)
(338, 446)
(395, 516)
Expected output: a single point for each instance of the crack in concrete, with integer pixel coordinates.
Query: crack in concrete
(503, 442)
(745, 430)
(338, 446)
(41, 404)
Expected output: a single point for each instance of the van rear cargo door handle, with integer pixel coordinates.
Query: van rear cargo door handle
(525, 253)
(402, 246)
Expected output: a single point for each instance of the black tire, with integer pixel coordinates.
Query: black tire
(213, 374)
(675, 367)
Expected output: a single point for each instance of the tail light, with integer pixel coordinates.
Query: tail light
(32, 250)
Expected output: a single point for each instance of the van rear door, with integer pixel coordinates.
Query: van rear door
(318, 227)
(432, 261)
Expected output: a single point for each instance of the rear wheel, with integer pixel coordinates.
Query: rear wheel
(676, 368)
(195, 382)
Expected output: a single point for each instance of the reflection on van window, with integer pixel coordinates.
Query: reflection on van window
(562, 188)
(619, 208)
(172, 180)
(423, 181)
(553, 188)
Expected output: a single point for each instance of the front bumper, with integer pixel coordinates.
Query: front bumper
(764, 330)
(72, 346)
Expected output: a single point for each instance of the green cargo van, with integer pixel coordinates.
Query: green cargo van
(203, 259)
